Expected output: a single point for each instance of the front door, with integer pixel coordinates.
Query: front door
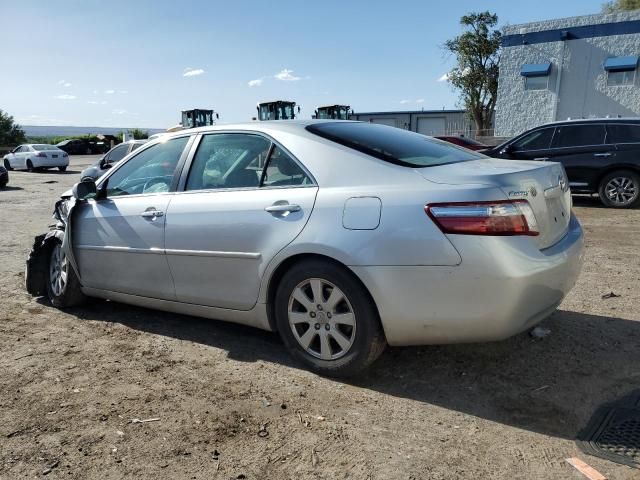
(244, 200)
(118, 241)
(531, 146)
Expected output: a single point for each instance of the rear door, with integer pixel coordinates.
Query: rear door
(626, 138)
(582, 149)
(243, 200)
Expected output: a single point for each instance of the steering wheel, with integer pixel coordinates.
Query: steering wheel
(161, 182)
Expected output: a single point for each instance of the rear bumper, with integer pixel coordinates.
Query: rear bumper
(50, 162)
(503, 286)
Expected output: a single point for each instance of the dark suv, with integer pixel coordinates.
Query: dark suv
(600, 155)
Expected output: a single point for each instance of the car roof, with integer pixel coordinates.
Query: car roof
(263, 126)
(574, 121)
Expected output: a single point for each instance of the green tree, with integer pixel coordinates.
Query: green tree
(477, 51)
(138, 134)
(10, 132)
(620, 5)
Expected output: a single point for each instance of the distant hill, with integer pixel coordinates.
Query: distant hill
(51, 131)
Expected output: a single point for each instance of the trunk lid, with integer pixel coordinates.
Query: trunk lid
(543, 184)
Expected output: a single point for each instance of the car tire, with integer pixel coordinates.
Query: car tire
(30, 166)
(337, 339)
(62, 169)
(63, 286)
(620, 189)
(7, 165)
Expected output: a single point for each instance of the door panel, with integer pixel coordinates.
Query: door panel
(582, 150)
(218, 243)
(118, 249)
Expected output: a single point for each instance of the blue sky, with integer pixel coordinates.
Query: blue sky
(138, 63)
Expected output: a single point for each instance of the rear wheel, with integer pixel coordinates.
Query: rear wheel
(7, 164)
(327, 319)
(620, 189)
(30, 166)
(62, 169)
(63, 286)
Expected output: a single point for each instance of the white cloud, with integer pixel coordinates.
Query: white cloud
(95, 102)
(255, 83)
(404, 101)
(444, 77)
(65, 97)
(109, 92)
(118, 111)
(192, 72)
(420, 100)
(286, 76)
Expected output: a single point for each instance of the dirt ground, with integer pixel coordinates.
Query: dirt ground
(231, 404)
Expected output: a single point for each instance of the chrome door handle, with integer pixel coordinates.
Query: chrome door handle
(151, 214)
(541, 159)
(284, 208)
(608, 154)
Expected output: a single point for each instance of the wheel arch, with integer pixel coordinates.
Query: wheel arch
(286, 264)
(614, 168)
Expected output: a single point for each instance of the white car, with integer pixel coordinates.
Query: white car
(36, 155)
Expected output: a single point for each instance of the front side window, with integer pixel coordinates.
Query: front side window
(538, 140)
(620, 78)
(117, 153)
(579, 136)
(150, 171)
(228, 160)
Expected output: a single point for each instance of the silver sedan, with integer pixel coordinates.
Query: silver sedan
(342, 236)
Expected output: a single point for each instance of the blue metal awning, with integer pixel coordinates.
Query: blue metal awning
(535, 69)
(621, 63)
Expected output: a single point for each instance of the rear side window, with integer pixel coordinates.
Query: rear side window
(579, 136)
(392, 144)
(538, 140)
(623, 133)
(117, 153)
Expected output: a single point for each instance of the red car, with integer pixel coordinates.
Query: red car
(462, 141)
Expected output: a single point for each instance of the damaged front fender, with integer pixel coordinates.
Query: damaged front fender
(37, 267)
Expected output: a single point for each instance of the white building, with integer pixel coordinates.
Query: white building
(579, 67)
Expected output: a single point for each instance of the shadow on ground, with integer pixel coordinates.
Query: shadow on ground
(550, 385)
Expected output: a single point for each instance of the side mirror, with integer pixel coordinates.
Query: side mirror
(507, 149)
(84, 190)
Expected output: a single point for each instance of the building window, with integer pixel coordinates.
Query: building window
(536, 75)
(536, 83)
(620, 78)
(621, 70)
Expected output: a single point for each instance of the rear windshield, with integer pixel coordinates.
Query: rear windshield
(44, 147)
(393, 144)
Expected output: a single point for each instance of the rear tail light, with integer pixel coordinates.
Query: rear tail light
(41, 155)
(503, 217)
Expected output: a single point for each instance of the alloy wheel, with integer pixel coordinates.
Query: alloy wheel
(322, 319)
(58, 270)
(621, 190)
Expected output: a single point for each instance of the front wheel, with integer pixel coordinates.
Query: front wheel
(63, 286)
(620, 189)
(62, 169)
(7, 165)
(327, 320)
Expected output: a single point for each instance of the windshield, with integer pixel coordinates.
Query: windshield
(393, 145)
(44, 147)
